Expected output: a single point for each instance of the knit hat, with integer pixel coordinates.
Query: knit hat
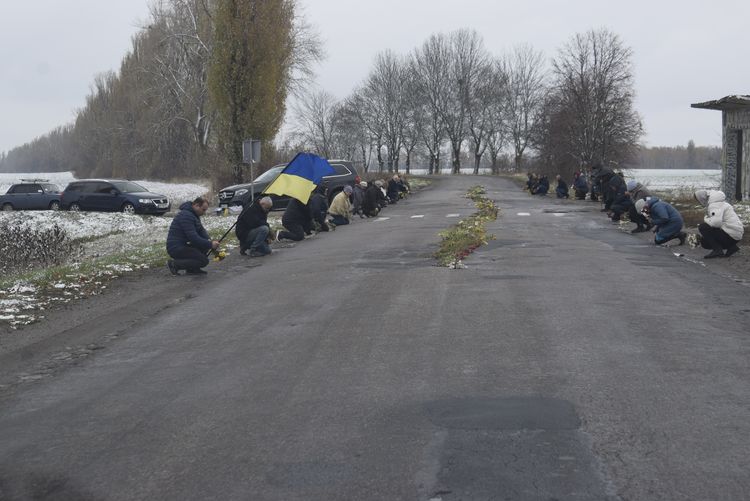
(363, 184)
(348, 189)
(639, 205)
(632, 184)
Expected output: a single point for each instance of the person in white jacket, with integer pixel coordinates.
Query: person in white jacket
(721, 228)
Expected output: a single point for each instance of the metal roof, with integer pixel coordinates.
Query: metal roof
(725, 103)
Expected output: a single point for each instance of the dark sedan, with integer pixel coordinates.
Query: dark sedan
(113, 195)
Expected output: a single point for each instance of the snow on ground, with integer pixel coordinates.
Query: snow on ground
(176, 192)
(676, 179)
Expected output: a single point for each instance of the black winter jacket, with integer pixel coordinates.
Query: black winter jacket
(186, 230)
(252, 218)
(296, 213)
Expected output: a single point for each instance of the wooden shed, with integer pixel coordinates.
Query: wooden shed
(735, 158)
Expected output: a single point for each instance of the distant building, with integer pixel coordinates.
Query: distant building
(735, 157)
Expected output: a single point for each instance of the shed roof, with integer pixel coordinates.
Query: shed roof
(725, 103)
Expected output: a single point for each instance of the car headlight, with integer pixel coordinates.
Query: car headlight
(241, 192)
(145, 200)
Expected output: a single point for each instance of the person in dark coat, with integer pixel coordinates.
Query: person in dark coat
(188, 241)
(637, 191)
(382, 198)
(318, 205)
(580, 186)
(370, 207)
(665, 218)
(562, 188)
(620, 199)
(252, 228)
(358, 197)
(296, 221)
(395, 188)
(542, 187)
(601, 178)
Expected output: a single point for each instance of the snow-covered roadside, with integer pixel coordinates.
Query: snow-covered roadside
(113, 244)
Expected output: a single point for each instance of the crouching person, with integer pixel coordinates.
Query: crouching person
(252, 228)
(666, 219)
(341, 208)
(296, 220)
(637, 191)
(188, 241)
(721, 229)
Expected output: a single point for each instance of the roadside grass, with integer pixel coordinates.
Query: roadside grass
(26, 295)
(462, 239)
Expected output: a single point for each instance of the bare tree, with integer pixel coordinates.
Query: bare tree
(594, 98)
(428, 64)
(467, 61)
(317, 122)
(524, 68)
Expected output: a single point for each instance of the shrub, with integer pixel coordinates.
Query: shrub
(23, 247)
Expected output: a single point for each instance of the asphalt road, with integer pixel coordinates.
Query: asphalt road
(570, 360)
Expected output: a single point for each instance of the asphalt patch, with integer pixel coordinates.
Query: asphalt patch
(518, 447)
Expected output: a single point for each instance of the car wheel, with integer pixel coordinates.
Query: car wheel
(55, 205)
(74, 207)
(7, 207)
(128, 208)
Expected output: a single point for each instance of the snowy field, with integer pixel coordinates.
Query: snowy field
(683, 180)
(176, 192)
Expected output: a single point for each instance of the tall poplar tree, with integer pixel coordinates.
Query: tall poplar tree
(249, 76)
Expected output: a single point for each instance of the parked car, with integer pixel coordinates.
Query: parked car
(37, 194)
(112, 195)
(239, 194)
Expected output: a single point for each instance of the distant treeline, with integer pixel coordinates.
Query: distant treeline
(679, 157)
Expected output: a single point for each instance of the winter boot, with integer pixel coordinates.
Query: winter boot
(714, 253)
(639, 229)
(731, 250)
(682, 236)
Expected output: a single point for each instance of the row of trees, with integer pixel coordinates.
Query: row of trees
(200, 78)
(452, 94)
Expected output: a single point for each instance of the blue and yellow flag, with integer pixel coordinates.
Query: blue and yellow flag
(300, 176)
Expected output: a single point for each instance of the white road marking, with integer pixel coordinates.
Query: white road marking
(418, 216)
(524, 213)
(453, 215)
(558, 214)
(382, 219)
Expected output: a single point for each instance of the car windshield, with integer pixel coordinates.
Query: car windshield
(51, 188)
(269, 175)
(129, 187)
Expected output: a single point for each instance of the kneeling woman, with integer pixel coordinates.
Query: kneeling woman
(721, 229)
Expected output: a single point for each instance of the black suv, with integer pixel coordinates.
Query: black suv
(112, 195)
(240, 194)
(37, 194)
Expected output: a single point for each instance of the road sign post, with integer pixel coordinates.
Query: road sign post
(251, 156)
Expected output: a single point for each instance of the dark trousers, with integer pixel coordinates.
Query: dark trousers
(715, 238)
(293, 231)
(256, 240)
(339, 220)
(620, 206)
(636, 218)
(189, 258)
(581, 195)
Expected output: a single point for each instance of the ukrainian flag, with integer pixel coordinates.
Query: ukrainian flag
(300, 176)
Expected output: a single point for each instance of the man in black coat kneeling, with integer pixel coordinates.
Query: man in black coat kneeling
(252, 228)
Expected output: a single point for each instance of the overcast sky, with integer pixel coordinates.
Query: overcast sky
(684, 52)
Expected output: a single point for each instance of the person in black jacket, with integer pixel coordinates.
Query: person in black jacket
(601, 178)
(318, 206)
(296, 220)
(580, 186)
(562, 188)
(619, 196)
(188, 241)
(370, 207)
(252, 228)
(542, 187)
